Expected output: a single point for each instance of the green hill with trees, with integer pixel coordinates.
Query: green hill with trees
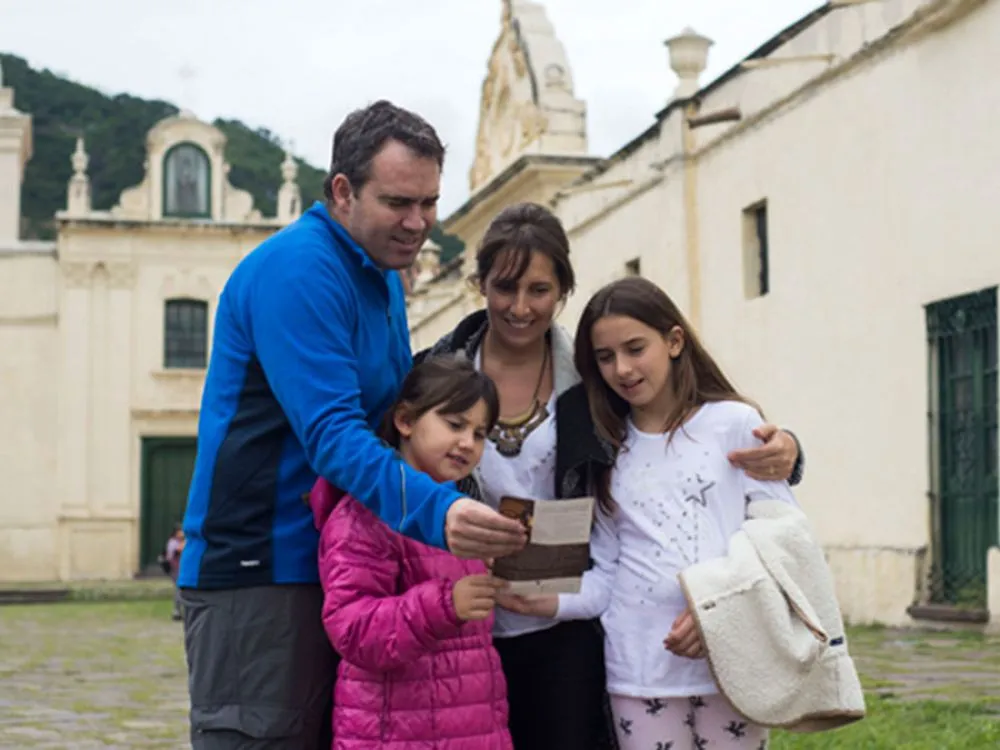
(114, 128)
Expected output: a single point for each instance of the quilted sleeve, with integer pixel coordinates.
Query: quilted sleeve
(369, 622)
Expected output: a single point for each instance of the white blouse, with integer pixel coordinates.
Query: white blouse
(529, 474)
(676, 504)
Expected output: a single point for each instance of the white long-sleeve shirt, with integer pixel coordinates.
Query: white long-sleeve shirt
(676, 504)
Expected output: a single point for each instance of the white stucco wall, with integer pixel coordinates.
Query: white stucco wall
(29, 343)
(881, 187)
(114, 387)
(881, 200)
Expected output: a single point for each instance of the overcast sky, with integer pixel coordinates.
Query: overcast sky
(299, 70)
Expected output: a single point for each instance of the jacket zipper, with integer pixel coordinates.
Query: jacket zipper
(402, 482)
(384, 719)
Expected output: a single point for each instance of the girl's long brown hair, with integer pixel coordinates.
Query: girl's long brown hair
(696, 379)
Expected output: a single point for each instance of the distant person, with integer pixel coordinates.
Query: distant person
(310, 347)
(172, 564)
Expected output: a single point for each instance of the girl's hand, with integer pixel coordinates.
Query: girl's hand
(772, 461)
(475, 595)
(542, 605)
(684, 639)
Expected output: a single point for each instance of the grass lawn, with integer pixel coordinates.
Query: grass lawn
(901, 725)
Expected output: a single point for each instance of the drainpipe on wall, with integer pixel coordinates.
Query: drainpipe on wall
(688, 53)
(691, 233)
(940, 14)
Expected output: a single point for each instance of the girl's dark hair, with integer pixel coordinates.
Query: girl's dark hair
(515, 233)
(695, 377)
(449, 384)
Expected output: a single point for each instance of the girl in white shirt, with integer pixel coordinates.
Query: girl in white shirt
(671, 499)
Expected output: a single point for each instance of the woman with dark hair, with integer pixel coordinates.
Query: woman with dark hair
(544, 447)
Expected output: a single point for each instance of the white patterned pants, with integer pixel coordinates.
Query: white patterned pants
(699, 723)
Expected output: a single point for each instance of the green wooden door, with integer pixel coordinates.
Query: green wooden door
(963, 333)
(167, 465)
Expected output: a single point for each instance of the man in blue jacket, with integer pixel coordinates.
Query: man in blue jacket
(310, 346)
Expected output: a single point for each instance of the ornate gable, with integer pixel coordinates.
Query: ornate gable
(527, 103)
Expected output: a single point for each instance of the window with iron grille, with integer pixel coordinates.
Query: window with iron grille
(962, 337)
(185, 333)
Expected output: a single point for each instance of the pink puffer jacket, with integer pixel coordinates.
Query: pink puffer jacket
(413, 675)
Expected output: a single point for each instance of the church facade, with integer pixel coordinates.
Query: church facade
(823, 213)
(106, 334)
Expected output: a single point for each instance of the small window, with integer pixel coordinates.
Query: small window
(756, 270)
(185, 334)
(186, 182)
(633, 268)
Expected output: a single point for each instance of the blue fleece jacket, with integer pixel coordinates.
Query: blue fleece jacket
(310, 348)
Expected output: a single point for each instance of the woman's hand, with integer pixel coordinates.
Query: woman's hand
(542, 605)
(773, 461)
(684, 639)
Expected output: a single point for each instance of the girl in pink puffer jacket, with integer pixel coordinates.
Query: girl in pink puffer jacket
(413, 623)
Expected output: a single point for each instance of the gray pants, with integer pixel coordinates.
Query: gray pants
(260, 668)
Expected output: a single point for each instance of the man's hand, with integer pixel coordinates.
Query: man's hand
(477, 532)
(684, 639)
(772, 461)
(541, 605)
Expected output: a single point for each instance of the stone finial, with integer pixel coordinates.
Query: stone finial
(428, 262)
(78, 194)
(688, 59)
(6, 94)
(289, 194)
(80, 159)
(289, 168)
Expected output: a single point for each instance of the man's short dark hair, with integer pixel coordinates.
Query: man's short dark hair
(365, 131)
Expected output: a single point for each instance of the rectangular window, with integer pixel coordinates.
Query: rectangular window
(633, 268)
(756, 271)
(185, 334)
(962, 341)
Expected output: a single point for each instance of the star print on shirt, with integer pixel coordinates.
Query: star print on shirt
(700, 497)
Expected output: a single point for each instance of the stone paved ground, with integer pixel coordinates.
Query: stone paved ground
(947, 666)
(111, 675)
(91, 676)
